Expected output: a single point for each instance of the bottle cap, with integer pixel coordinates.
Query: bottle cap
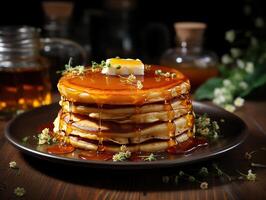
(190, 33)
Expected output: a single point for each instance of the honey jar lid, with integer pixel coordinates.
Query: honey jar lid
(190, 32)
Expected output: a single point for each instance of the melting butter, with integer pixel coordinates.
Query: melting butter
(120, 66)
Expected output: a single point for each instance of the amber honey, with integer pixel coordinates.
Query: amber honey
(23, 88)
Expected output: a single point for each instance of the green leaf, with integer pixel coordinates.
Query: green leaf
(260, 81)
(224, 70)
(206, 90)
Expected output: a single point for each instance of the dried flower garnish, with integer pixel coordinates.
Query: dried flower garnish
(149, 158)
(206, 127)
(159, 72)
(249, 177)
(19, 191)
(13, 165)
(248, 155)
(139, 85)
(123, 155)
(95, 67)
(203, 172)
(25, 139)
(132, 80)
(191, 178)
(77, 70)
(204, 185)
(147, 67)
(258, 165)
(219, 172)
(44, 137)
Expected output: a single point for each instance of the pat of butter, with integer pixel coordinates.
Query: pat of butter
(119, 66)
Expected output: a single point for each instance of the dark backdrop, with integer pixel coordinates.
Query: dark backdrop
(150, 22)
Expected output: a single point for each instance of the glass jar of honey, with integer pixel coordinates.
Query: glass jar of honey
(24, 72)
(189, 57)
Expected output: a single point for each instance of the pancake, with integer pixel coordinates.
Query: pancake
(122, 134)
(154, 146)
(183, 101)
(94, 87)
(101, 112)
(144, 114)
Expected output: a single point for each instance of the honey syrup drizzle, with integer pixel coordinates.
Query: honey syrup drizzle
(70, 121)
(137, 128)
(170, 125)
(100, 141)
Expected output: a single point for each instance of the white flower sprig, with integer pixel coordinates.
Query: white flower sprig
(225, 96)
(44, 137)
(123, 155)
(19, 191)
(250, 176)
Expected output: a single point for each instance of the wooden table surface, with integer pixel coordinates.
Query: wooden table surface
(45, 180)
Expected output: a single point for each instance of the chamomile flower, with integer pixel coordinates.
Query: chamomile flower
(251, 176)
(230, 36)
(249, 67)
(238, 102)
(226, 59)
(13, 165)
(235, 52)
(229, 108)
(243, 85)
(19, 191)
(240, 63)
(204, 185)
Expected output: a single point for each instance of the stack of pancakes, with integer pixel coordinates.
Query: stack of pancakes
(101, 112)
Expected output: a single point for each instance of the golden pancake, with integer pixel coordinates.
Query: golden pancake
(145, 114)
(94, 87)
(153, 146)
(121, 133)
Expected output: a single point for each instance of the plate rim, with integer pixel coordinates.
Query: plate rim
(240, 138)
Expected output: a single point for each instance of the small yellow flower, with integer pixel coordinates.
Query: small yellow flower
(204, 185)
(240, 63)
(230, 36)
(19, 191)
(13, 165)
(251, 176)
(227, 82)
(229, 108)
(248, 155)
(139, 85)
(44, 137)
(226, 59)
(249, 67)
(238, 102)
(243, 85)
(123, 155)
(235, 52)
(123, 148)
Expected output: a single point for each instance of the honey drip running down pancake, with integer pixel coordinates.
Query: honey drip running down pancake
(101, 112)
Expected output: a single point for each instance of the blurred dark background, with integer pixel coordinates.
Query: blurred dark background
(136, 28)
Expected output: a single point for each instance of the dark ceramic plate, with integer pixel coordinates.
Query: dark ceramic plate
(233, 131)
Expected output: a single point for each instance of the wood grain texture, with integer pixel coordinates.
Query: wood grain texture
(46, 180)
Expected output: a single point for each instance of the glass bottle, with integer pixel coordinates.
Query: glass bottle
(189, 57)
(24, 72)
